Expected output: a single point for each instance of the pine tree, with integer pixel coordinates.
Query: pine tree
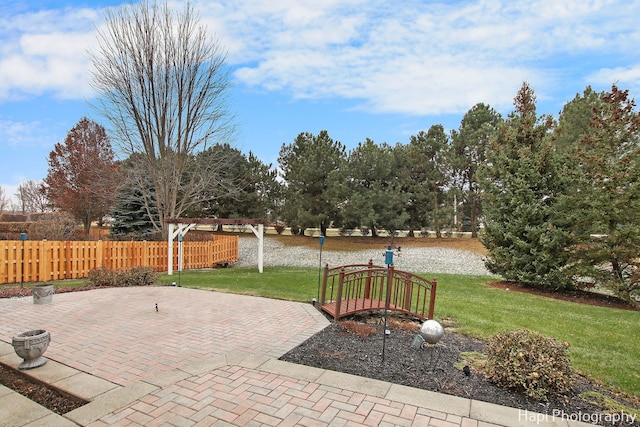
(605, 206)
(133, 209)
(426, 164)
(468, 151)
(523, 182)
(311, 167)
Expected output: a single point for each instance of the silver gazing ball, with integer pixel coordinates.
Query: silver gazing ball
(431, 331)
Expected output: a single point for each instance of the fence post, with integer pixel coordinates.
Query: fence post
(389, 288)
(323, 291)
(408, 292)
(336, 316)
(367, 283)
(432, 299)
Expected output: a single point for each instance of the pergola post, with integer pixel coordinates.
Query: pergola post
(170, 249)
(176, 230)
(260, 235)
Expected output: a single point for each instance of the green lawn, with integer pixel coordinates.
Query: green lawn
(604, 341)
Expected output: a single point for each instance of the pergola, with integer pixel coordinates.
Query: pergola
(178, 227)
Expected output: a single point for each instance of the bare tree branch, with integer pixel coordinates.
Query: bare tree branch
(32, 197)
(4, 200)
(163, 86)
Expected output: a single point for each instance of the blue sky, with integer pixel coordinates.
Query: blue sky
(360, 69)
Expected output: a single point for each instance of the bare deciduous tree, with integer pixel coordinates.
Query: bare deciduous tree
(4, 200)
(32, 197)
(54, 226)
(162, 83)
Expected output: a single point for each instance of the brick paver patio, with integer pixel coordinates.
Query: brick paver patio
(117, 334)
(204, 359)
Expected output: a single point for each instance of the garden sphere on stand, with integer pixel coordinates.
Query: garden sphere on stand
(431, 331)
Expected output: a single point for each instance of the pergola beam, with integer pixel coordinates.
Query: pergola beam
(216, 221)
(181, 226)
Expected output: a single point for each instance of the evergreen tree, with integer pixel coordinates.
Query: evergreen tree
(133, 210)
(574, 120)
(376, 197)
(428, 177)
(264, 192)
(311, 167)
(222, 196)
(245, 188)
(468, 152)
(606, 199)
(522, 181)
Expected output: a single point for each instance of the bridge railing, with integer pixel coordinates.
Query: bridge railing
(362, 287)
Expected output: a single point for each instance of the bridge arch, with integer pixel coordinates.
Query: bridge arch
(349, 289)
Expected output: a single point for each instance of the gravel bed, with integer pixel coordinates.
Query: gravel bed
(417, 260)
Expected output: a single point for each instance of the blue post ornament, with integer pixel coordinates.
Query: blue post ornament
(388, 257)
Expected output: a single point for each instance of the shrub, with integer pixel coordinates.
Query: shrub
(526, 361)
(139, 276)
(136, 276)
(102, 277)
(55, 226)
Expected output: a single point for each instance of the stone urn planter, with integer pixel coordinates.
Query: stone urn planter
(31, 346)
(42, 294)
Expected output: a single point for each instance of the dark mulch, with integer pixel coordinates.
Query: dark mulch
(340, 349)
(47, 396)
(18, 291)
(580, 296)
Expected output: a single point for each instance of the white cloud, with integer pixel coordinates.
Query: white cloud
(624, 77)
(419, 57)
(415, 57)
(25, 134)
(45, 52)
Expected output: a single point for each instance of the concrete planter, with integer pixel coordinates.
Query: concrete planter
(43, 294)
(31, 346)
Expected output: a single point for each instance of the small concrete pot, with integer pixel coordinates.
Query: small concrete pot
(31, 346)
(43, 294)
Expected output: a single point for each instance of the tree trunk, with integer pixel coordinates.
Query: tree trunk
(436, 219)
(474, 218)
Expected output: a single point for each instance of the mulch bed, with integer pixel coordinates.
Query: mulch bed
(339, 348)
(580, 296)
(51, 398)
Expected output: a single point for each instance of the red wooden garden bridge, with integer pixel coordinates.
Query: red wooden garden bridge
(354, 288)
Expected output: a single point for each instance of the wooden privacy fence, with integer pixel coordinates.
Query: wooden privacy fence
(42, 261)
